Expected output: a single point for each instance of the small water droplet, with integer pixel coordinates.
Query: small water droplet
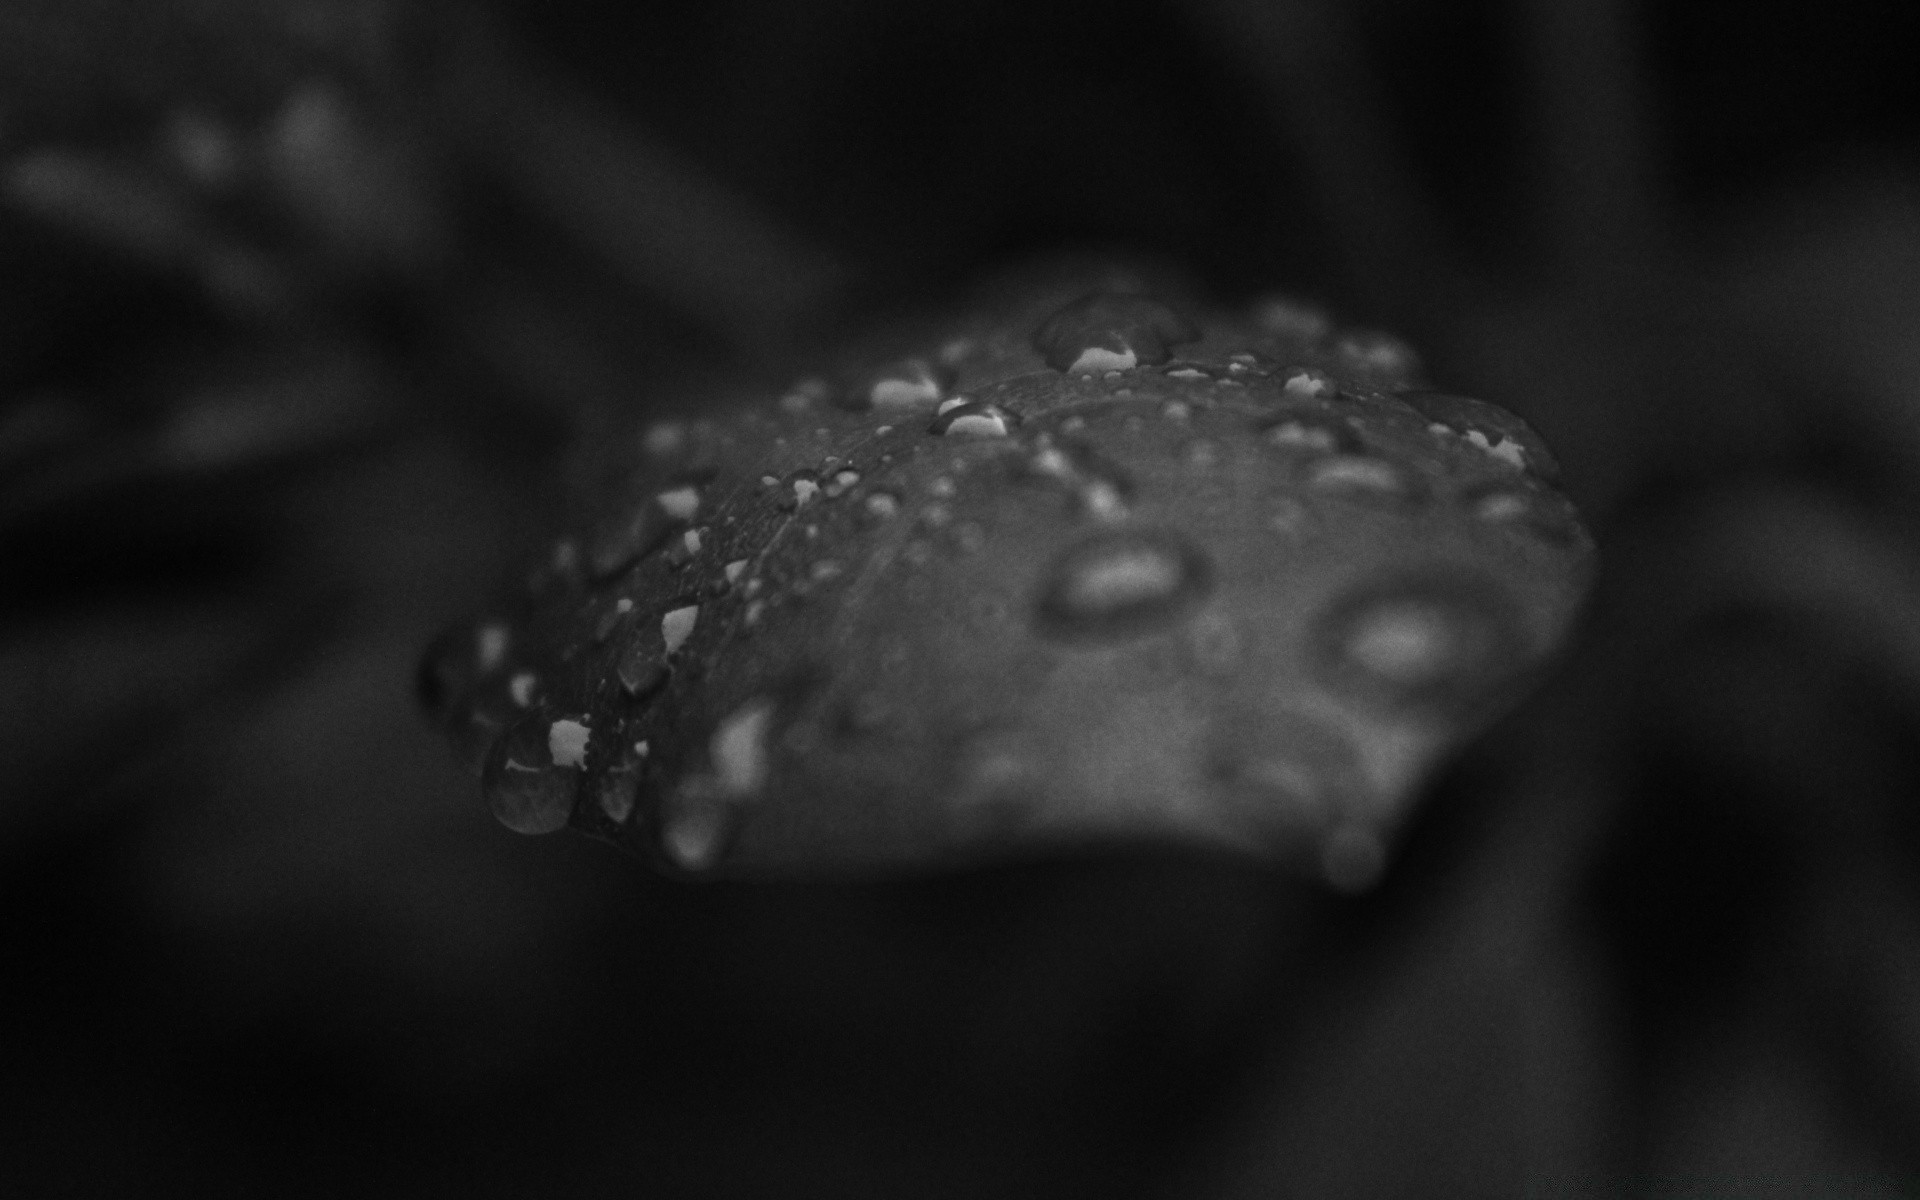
(526, 789)
(1312, 433)
(824, 570)
(941, 486)
(1122, 584)
(734, 569)
(617, 791)
(677, 626)
(663, 439)
(1177, 410)
(1110, 331)
(804, 491)
(1358, 473)
(1187, 373)
(883, 505)
(738, 748)
(1438, 644)
(696, 825)
(1309, 385)
(491, 642)
(976, 419)
(911, 384)
(1378, 357)
(1292, 320)
(1488, 426)
(841, 481)
(521, 688)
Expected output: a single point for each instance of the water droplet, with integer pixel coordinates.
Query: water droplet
(1312, 433)
(1358, 473)
(734, 569)
(1492, 428)
(883, 505)
(841, 481)
(824, 570)
(1098, 487)
(1122, 584)
(696, 825)
(1378, 357)
(567, 742)
(618, 790)
(804, 491)
(521, 688)
(663, 439)
(1110, 331)
(941, 486)
(976, 419)
(914, 383)
(1501, 507)
(1292, 320)
(618, 545)
(1309, 384)
(1187, 373)
(739, 749)
(1177, 410)
(690, 541)
(491, 642)
(526, 789)
(641, 668)
(1438, 644)
(677, 625)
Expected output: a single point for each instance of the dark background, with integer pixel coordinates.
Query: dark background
(299, 303)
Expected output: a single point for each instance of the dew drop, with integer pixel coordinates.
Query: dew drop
(1177, 410)
(1309, 385)
(1313, 434)
(1110, 331)
(883, 505)
(491, 642)
(804, 490)
(911, 384)
(677, 625)
(1380, 357)
(1122, 584)
(696, 825)
(616, 546)
(528, 791)
(618, 790)
(1488, 426)
(521, 688)
(975, 419)
(734, 569)
(664, 439)
(567, 741)
(1358, 473)
(1439, 644)
(739, 749)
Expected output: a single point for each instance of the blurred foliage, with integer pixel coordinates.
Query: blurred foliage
(303, 301)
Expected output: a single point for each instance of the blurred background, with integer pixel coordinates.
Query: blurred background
(301, 302)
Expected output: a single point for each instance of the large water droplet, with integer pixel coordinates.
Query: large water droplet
(1122, 584)
(1111, 331)
(528, 790)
